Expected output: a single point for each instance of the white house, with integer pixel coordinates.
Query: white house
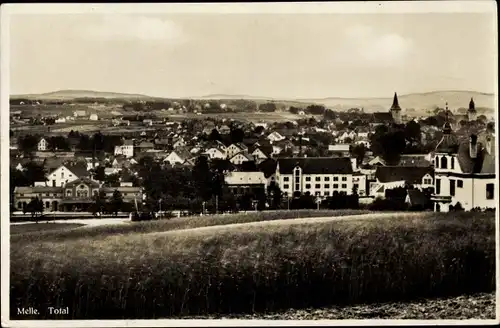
(234, 149)
(240, 182)
(178, 156)
(275, 137)
(240, 158)
(79, 113)
(318, 176)
(59, 177)
(93, 117)
(127, 149)
(215, 152)
(60, 120)
(258, 154)
(341, 148)
(42, 145)
(465, 171)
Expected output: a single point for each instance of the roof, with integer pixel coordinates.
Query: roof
(122, 189)
(128, 142)
(417, 197)
(483, 163)
(83, 180)
(245, 178)
(183, 153)
(316, 165)
(339, 147)
(410, 174)
(78, 168)
(448, 144)
(244, 154)
(414, 160)
(145, 144)
(37, 189)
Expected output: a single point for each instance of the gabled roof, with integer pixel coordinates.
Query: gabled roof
(316, 165)
(410, 174)
(84, 180)
(484, 161)
(245, 154)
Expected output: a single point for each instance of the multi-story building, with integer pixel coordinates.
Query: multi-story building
(464, 171)
(127, 149)
(42, 144)
(318, 176)
(246, 182)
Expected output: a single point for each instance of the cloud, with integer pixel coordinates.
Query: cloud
(369, 47)
(129, 27)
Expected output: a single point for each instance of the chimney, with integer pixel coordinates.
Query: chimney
(473, 146)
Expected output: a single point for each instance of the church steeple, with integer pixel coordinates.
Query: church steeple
(395, 103)
(449, 142)
(472, 106)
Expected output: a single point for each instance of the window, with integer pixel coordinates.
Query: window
(344, 178)
(344, 186)
(355, 186)
(327, 186)
(286, 179)
(317, 186)
(452, 163)
(62, 175)
(327, 178)
(308, 178)
(68, 193)
(318, 178)
(318, 193)
(48, 195)
(438, 186)
(21, 195)
(286, 186)
(444, 162)
(490, 191)
(47, 204)
(428, 181)
(452, 187)
(460, 184)
(335, 178)
(308, 186)
(19, 205)
(297, 186)
(327, 193)
(297, 180)
(335, 186)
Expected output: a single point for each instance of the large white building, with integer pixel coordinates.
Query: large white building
(464, 171)
(318, 176)
(127, 149)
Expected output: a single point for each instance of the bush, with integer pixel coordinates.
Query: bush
(394, 257)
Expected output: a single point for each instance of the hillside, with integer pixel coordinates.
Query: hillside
(427, 100)
(417, 101)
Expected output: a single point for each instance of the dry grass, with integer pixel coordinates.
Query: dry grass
(264, 268)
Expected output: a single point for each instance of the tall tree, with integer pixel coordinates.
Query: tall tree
(116, 202)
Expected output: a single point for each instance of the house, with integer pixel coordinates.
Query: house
(259, 154)
(42, 144)
(180, 142)
(240, 158)
(240, 183)
(60, 120)
(319, 176)
(126, 149)
(178, 156)
(215, 152)
(465, 171)
(63, 175)
(390, 177)
(414, 160)
(346, 136)
(144, 146)
(93, 117)
(112, 170)
(79, 113)
(275, 137)
(147, 122)
(381, 118)
(224, 129)
(235, 148)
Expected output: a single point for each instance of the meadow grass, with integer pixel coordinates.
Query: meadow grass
(258, 268)
(177, 223)
(36, 227)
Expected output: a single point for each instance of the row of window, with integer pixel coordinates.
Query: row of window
(317, 179)
(490, 188)
(317, 186)
(443, 163)
(317, 193)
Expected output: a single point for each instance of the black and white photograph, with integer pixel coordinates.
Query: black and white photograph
(247, 164)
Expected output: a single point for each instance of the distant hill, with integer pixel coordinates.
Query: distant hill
(72, 94)
(417, 101)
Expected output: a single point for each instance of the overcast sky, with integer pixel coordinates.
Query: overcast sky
(275, 55)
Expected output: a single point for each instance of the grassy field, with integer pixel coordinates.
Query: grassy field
(36, 227)
(134, 273)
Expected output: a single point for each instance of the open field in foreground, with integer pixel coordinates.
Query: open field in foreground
(35, 227)
(257, 268)
(478, 306)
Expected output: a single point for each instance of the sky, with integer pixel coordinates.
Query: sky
(292, 56)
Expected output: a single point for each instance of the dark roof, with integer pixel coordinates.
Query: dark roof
(395, 103)
(383, 117)
(410, 174)
(448, 144)
(316, 165)
(268, 167)
(484, 161)
(38, 189)
(417, 197)
(78, 168)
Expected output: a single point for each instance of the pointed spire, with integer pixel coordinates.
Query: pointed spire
(395, 102)
(472, 106)
(447, 125)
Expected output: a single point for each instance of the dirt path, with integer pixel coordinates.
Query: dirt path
(287, 222)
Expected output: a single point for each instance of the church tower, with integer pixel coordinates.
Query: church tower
(396, 110)
(471, 112)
